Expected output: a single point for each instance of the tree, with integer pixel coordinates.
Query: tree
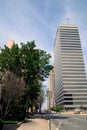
(29, 63)
(11, 93)
(10, 60)
(44, 65)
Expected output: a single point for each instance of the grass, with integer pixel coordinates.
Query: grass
(3, 122)
(9, 122)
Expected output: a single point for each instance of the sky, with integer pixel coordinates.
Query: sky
(27, 20)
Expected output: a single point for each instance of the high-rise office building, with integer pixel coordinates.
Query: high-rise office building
(50, 88)
(70, 78)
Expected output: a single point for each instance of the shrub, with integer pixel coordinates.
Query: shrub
(57, 108)
(1, 124)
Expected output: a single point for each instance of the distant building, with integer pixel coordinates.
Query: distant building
(10, 43)
(70, 78)
(0, 51)
(50, 88)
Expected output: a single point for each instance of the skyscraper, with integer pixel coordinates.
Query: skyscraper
(50, 88)
(70, 78)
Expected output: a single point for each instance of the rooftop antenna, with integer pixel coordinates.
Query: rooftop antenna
(68, 21)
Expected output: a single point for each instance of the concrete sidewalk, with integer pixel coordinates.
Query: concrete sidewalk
(29, 124)
(34, 124)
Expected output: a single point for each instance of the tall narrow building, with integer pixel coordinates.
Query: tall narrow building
(70, 78)
(50, 88)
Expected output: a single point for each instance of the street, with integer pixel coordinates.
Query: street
(68, 122)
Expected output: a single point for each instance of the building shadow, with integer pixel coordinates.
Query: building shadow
(52, 116)
(26, 121)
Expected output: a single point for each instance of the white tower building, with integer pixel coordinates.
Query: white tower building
(70, 77)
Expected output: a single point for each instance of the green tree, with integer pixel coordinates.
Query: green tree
(10, 60)
(29, 63)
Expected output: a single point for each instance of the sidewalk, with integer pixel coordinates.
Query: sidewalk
(30, 124)
(34, 124)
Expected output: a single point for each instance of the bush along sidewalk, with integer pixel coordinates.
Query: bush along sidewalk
(1, 124)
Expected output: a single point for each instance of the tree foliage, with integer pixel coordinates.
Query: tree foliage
(28, 63)
(10, 60)
(57, 108)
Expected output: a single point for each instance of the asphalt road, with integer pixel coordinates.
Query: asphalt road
(68, 122)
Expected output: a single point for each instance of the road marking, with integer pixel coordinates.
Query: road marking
(59, 124)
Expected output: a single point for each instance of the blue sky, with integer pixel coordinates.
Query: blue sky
(27, 20)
